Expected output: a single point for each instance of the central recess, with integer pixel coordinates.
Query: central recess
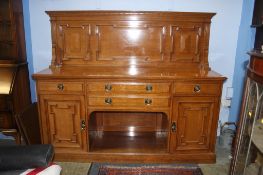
(128, 132)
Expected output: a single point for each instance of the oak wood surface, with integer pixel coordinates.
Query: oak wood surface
(128, 121)
(130, 87)
(126, 38)
(136, 72)
(194, 119)
(128, 142)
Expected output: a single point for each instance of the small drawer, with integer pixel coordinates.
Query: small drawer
(61, 86)
(129, 102)
(128, 87)
(197, 88)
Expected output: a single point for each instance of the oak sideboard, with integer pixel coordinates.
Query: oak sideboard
(129, 87)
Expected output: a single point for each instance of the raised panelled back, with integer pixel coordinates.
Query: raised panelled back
(141, 38)
(186, 43)
(132, 40)
(74, 41)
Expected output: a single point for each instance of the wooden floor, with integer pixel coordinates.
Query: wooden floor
(128, 142)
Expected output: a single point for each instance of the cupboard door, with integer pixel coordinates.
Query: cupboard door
(61, 121)
(192, 123)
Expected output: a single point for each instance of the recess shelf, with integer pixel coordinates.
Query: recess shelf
(128, 142)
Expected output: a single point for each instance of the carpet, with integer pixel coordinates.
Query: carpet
(144, 169)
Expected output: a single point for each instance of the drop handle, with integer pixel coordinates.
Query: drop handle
(149, 87)
(173, 127)
(197, 88)
(108, 101)
(83, 125)
(148, 101)
(108, 87)
(60, 86)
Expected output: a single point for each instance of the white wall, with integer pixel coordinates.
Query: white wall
(223, 38)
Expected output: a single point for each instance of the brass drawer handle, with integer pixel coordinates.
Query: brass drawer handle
(149, 87)
(108, 87)
(197, 88)
(108, 101)
(148, 101)
(60, 86)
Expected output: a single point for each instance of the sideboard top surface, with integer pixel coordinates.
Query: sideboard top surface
(100, 72)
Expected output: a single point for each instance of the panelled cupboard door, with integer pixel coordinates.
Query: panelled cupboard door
(192, 123)
(62, 118)
(73, 42)
(186, 42)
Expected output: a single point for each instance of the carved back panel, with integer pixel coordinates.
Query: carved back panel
(126, 38)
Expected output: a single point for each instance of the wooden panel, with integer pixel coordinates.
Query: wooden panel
(129, 101)
(128, 87)
(256, 64)
(61, 117)
(4, 103)
(193, 126)
(259, 38)
(21, 90)
(61, 86)
(8, 30)
(128, 121)
(74, 42)
(6, 112)
(193, 119)
(257, 13)
(12, 37)
(125, 142)
(198, 88)
(130, 41)
(129, 38)
(186, 43)
(6, 120)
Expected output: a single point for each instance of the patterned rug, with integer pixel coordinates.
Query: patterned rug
(144, 169)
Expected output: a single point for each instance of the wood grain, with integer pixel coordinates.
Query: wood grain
(127, 78)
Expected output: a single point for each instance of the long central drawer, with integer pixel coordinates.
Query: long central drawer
(128, 87)
(140, 101)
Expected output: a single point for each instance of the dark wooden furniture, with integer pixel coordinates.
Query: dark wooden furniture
(28, 124)
(130, 87)
(248, 152)
(257, 22)
(14, 80)
(257, 14)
